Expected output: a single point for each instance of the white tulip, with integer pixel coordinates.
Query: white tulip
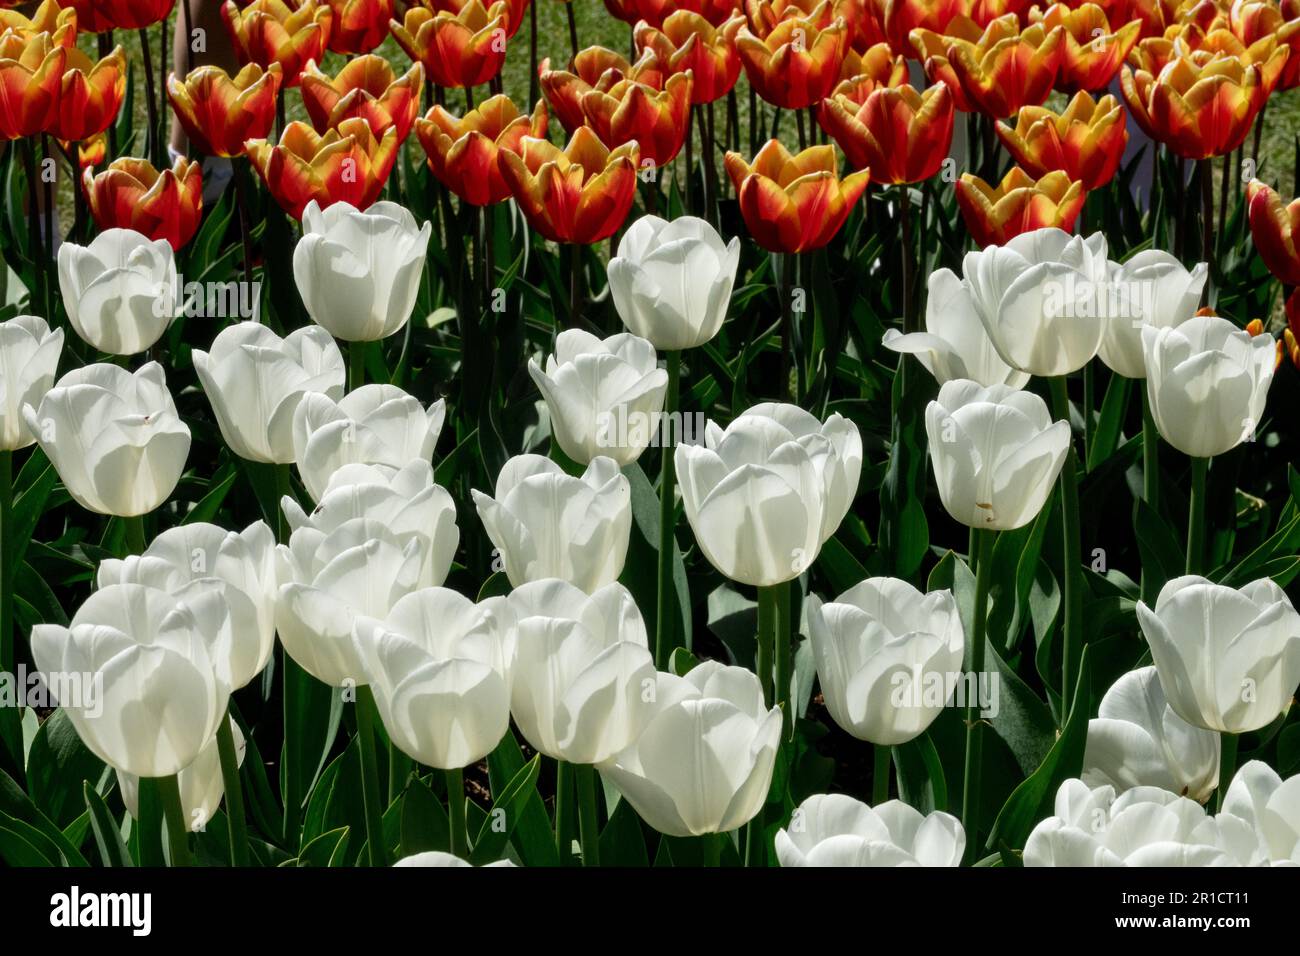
(1228, 660)
(546, 524)
(1137, 740)
(604, 395)
(438, 858)
(671, 281)
(703, 763)
(1269, 805)
(1037, 298)
(150, 695)
(201, 784)
(120, 291)
(954, 344)
(1207, 382)
(1151, 289)
(439, 673)
(29, 360)
(996, 453)
(833, 829)
(887, 657)
(406, 502)
(255, 380)
(583, 678)
(372, 425)
(115, 438)
(359, 272)
(194, 558)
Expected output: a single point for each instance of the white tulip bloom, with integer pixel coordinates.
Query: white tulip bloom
(1151, 289)
(1137, 740)
(887, 657)
(201, 783)
(372, 425)
(1271, 806)
(438, 858)
(833, 829)
(1207, 382)
(996, 453)
(359, 272)
(546, 524)
(671, 281)
(115, 438)
(954, 344)
(605, 396)
(29, 360)
(1228, 659)
(255, 381)
(120, 291)
(703, 763)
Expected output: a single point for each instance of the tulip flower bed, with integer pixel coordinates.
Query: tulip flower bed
(794, 433)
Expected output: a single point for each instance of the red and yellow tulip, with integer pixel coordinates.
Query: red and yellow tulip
(61, 23)
(136, 14)
(219, 114)
(901, 135)
(514, 15)
(463, 151)
(797, 64)
(870, 70)
(593, 68)
(1252, 20)
(687, 41)
(633, 112)
(1092, 48)
(31, 83)
(366, 87)
(1086, 141)
(994, 214)
(1274, 227)
(273, 31)
(458, 49)
(91, 95)
(92, 16)
(131, 194)
(359, 25)
(655, 12)
(901, 17)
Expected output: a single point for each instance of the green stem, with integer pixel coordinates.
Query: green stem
(784, 659)
(1071, 608)
(234, 794)
(10, 721)
(588, 825)
(880, 777)
(135, 543)
(456, 813)
(664, 629)
(1089, 396)
(365, 713)
(284, 489)
(1227, 766)
(767, 625)
(974, 742)
(356, 365)
(711, 848)
(563, 791)
(178, 834)
(1150, 478)
(1196, 517)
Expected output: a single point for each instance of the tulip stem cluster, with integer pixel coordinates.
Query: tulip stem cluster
(234, 794)
(985, 539)
(1071, 608)
(365, 714)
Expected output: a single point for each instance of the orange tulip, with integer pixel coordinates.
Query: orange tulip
(1274, 227)
(31, 83)
(274, 31)
(1200, 105)
(901, 17)
(632, 112)
(862, 29)
(514, 15)
(864, 72)
(580, 194)
(994, 214)
(463, 151)
(359, 25)
(795, 65)
(901, 135)
(61, 24)
(687, 41)
(593, 68)
(794, 203)
(1092, 52)
(985, 12)
(131, 194)
(1086, 142)
(346, 164)
(655, 12)
(458, 49)
(90, 152)
(366, 87)
(220, 114)
(91, 96)
(997, 71)
(1252, 20)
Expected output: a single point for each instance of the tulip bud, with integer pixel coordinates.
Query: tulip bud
(131, 194)
(1228, 659)
(92, 94)
(31, 73)
(717, 714)
(29, 360)
(115, 438)
(1273, 227)
(547, 524)
(201, 783)
(833, 829)
(120, 291)
(1154, 290)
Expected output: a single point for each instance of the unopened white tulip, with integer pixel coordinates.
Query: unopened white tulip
(359, 272)
(887, 657)
(583, 678)
(438, 858)
(373, 425)
(1228, 659)
(1137, 740)
(29, 360)
(547, 524)
(996, 453)
(1207, 382)
(671, 281)
(201, 783)
(1037, 298)
(120, 291)
(1271, 806)
(604, 395)
(150, 697)
(439, 672)
(954, 344)
(833, 829)
(115, 438)
(1151, 289)
(255, 380)
(703, 763)
(195, 558)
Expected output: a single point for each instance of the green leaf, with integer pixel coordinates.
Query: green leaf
(424, 820)
(311, 721)
(19, 845)
(206, 509)
(16, 804)
(324, 848)
(108, 836)
(1106, 433)
(921, 780)
(58, 764)
(622, 842)
(533, 836)
(1023, 721)
(494, 834)
(1163, 555)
